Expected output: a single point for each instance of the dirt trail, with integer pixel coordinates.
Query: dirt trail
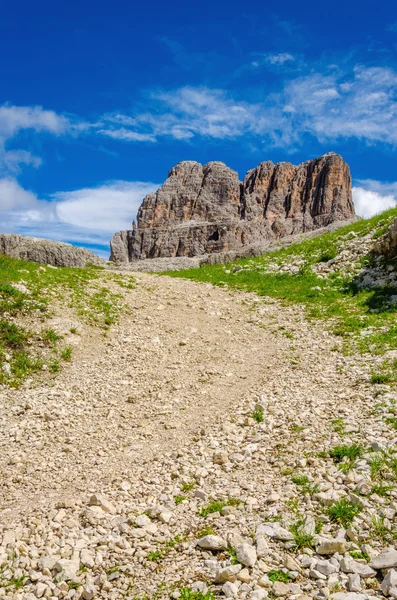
(187, 355)
(184, 356)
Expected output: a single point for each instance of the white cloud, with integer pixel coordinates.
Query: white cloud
(372, 197)
(279, 59)
(15, 118)
(86, 216)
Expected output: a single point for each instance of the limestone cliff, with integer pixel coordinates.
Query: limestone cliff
(205, 209)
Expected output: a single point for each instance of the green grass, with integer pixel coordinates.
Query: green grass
(346, 456)
(381, 489)
(187, 486)
(217, 505)
(301, 538)
(338, 426)
(179, 499)
(348, 308)
(356, 554)
(187, 593)
(24, 344)
(381, 378)
(305, 485)
(380, 531)
(278, 575)
(343, 511)
(232, 555)
(257, 414)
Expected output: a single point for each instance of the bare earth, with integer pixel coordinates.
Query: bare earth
(145, 408)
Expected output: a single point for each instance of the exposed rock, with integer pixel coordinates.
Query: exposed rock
(47, 252)
(387, 243)
(212, 542)
(385, 560)
(206, 209)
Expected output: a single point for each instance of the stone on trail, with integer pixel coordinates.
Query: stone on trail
(385, 560)
(212, 542)
(246, 555)
(101, 501)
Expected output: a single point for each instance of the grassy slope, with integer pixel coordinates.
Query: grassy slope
(26, 344)
(363, 317)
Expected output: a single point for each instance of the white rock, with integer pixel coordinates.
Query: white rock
(275, 531)
(385, 560)
(228, 574)
(354, 582)
(280, 589)
(230, 589)
(389, 582)
(246, 554)
(332, 546)
(212, 542)
(101, 501)
(262, 547)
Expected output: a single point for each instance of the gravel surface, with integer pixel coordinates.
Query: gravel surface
(192, 448)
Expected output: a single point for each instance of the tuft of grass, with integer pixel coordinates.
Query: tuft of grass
(380, 530)
(381, 489)
(278, 575)
(187, 593)
(339, 426)
(305, 485)
(343, 511)
(50, 336)
(381, 378)
(206, 531)
(217, 505)
(258, 414)
(356, 554)
(346, 456)
(54, 366)
(66, 353)
(155, 556)
(302, 539)
(187, 486)
(180, 499)
(232, 555)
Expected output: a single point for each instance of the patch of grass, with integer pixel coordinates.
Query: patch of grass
(217, 505)
(12, 336)
(380, 530)
(155, 556)
(279, 575)
(305, 485)
(339, 426)
(343, 511)
(180, 499)
(296, 427)
(50, 336)
(16, 582)
(391, 421)
(258, 414)
(302, 539)
(66, 353)
(187, 486)
(54, 366)
(381, 489)
(74, 585)
(383, 464)
(356, 554)
(206, 531)
(346, 456)
(232, 555)
(187, 593)
(381, 378)
(340, 298)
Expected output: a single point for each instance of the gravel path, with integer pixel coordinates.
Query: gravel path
(164, 399)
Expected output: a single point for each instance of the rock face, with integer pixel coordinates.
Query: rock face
(206, 209)
(46, 252)
(387, 243)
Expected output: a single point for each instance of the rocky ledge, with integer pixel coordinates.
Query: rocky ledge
(206, 209)
(57, 254)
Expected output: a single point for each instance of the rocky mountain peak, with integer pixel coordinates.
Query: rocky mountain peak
(205, 209)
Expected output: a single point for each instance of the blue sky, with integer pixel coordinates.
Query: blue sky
(98, 100)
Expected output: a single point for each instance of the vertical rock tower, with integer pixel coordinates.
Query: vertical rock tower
(205, 209)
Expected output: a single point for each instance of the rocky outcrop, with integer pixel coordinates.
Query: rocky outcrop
(47, 252)
(206, 209)
(387, 243)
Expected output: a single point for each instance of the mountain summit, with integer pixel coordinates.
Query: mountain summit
(206, 209)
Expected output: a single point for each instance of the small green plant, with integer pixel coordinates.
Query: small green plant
(155, 556)
(187, 593)
(54, 366)
(302, 539)
(258, 414)
(206, 531)
(381, 378)
(339, 426)
(346, 456)
(305, 485)
(232, 555)
(279, 575)
(180, 499)
(296, 427)
(66, 353)
(380, 529)
(50, 336)
(15, 582)
(187, 486)
(391, 421)
(73, 330)
(381, 489)
(356, 554)
(74, 585)
(343, 511)
(217, 505)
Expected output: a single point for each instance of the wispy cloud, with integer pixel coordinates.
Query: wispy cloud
(89, 215)
(279, 59)
(361, 104)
